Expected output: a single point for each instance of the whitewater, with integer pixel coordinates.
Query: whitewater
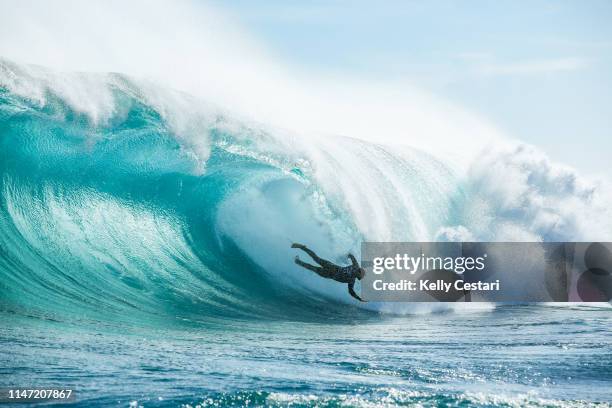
(211, 207)
(150, 192)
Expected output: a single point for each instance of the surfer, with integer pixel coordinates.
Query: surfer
(329, 270)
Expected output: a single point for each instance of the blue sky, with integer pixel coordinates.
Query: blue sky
(539, 70)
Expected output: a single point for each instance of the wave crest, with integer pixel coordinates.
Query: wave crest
(118, 195)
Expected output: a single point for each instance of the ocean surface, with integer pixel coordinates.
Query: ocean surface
(145, 260)
(510, 356)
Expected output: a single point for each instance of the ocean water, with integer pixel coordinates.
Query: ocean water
(145, 260)
(510, 356)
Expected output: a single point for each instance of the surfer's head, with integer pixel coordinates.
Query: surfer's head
(361, 273)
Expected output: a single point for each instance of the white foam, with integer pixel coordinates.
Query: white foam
(198, 49)
(515, 193)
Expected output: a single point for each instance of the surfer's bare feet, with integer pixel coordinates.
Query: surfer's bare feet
(296, 259)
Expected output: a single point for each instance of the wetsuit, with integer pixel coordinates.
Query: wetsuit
(329, 270)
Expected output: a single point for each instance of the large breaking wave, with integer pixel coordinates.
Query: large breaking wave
(122, 199)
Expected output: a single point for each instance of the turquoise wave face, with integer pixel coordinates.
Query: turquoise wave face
(110, 221)
(120, 220)
(122, 201)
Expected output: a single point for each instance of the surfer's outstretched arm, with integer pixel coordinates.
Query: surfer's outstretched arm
(352, 292)
(353, 260)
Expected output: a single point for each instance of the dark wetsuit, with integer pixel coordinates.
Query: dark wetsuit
(329, 270)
